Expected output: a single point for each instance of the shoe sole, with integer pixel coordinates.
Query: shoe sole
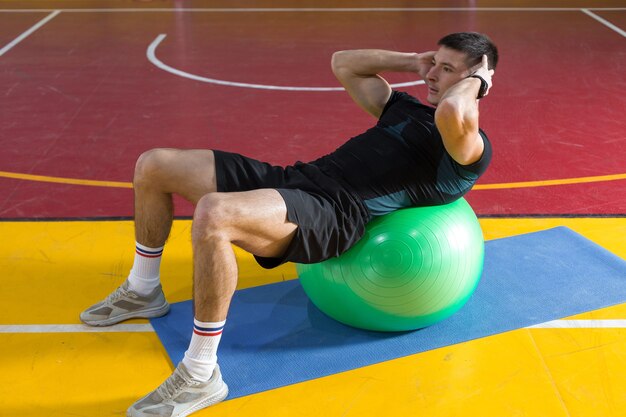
(217, 397)
(143, 314)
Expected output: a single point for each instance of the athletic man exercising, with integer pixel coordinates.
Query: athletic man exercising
(416, 155)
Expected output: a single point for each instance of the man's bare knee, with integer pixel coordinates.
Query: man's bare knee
(189, 173)
(212, 218)
(151, 165)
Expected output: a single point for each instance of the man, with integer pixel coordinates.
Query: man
(416, 155)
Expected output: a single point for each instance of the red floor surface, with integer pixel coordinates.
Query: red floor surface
(82, 100)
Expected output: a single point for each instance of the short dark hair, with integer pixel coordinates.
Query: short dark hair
(474, 44)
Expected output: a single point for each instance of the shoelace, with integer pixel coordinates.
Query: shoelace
(116, 295)
(171, 386)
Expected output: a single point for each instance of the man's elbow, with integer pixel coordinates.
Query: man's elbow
(453, 113)
(448, 117)
(449, 107)
(338, 61)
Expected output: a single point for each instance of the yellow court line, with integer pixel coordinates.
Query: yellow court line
(546, 183)
(509, 185)
(61, 180)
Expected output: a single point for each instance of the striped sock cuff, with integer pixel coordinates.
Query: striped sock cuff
(207, 328)
(147, 252)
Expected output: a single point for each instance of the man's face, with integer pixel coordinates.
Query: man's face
(449, 67)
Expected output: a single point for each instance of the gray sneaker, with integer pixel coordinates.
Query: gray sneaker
(180, 395)
(124, 304)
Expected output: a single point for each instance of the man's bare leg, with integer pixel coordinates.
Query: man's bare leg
(159, 173)
(257, 222)
(254, 220)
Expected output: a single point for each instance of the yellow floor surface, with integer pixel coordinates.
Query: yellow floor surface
(53, 270)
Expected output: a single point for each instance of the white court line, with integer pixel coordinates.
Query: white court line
(147, 328)
(75, 328)
(581, 324)
(324, 9)
(28, 32)
(151, 54)
(604, 22)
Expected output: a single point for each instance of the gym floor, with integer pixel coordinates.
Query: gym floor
(89, 85)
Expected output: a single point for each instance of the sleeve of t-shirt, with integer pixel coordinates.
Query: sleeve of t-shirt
(394, 98)
(480, 166)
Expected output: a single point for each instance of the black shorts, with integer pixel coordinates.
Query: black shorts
(330, 218)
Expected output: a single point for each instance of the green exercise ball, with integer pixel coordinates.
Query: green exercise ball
(412, 268)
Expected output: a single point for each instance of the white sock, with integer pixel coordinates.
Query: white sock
(144, 276)
(201, 356)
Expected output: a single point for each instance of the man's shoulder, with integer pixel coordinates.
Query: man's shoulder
(398, 96)
(402, 103)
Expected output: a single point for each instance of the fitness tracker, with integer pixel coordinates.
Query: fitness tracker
(483, 86)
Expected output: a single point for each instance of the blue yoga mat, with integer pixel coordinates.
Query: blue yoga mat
(274, 336)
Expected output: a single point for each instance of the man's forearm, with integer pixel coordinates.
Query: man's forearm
(466, 89)
(456, 118)
(459, 106)
(369, 62)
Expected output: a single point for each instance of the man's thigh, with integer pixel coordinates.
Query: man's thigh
(255, 220)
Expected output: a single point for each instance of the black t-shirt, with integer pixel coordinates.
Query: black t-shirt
(402, 161)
